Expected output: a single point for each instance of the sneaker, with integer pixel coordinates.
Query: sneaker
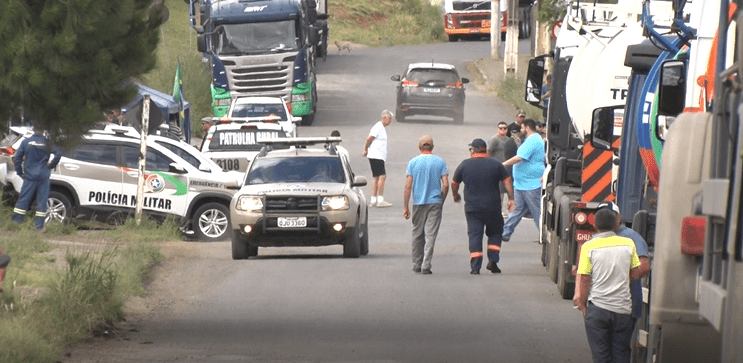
(384, 204)
(505, 238)
(416, 269)
(474, 272)
(426, 271)
(373, 205)
(493, 267)
(528, 216)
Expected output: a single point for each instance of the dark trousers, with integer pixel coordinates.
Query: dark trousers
(609, 335)
(492, 224)
(30, 190)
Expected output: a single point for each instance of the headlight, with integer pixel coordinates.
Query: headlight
(300, 98)
(336, 202)
(249, 203)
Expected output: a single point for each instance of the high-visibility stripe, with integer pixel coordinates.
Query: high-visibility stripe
(476, 254)
(596, 179)
(19, 211)
(495, 248)
(41, 214)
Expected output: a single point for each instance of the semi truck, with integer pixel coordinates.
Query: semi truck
(472, 18)
(262, 48)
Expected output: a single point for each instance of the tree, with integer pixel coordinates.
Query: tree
(63, 63)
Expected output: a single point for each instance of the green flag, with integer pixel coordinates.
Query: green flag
(177, 84)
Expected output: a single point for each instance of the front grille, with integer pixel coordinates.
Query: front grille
(470, 20)
(478, 6)
(261, 75)
(292, 204)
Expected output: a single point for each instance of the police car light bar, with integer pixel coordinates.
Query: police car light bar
(296, 141)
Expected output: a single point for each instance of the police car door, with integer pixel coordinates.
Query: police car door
(165, 189)
(91, 170)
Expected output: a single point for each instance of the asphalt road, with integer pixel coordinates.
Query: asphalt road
(312, 305)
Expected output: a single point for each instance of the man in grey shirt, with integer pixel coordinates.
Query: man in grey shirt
(501, 147)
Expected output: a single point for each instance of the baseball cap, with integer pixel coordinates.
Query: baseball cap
(520, 113)
(614, 208)
(478, 144)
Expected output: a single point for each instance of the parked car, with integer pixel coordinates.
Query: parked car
(9, 180)
(430, 89)
(265, 109)
(301, 196)
(233, 145)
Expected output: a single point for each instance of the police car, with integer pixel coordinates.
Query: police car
(9, 180)
(306, 195)
(264, 109)
(99, 177)
(232, 145)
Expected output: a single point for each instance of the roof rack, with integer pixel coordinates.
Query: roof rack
(298, 142)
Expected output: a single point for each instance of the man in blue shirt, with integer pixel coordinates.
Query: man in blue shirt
(482, 176)
(427, 178)
(528, 167)
(33, 166)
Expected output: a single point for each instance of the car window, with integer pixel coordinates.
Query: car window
(296, 170)
(259, 110)
(156, 161)
(10, 138)
(185, 155)
(244, 139)
(104, 154)
(435, 76)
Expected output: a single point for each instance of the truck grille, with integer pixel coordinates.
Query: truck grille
(260, 75)
(292, 204)
(470, 20)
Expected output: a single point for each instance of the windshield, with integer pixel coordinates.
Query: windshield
(244, 139)
(432, 76)
(322, 169)
(272, 110)
(252, 38)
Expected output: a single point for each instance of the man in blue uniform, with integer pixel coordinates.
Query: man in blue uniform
(33, 166)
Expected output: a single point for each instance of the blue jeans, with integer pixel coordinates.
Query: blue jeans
(492, 223)
(38, 189)
(524, 200)
(609, 335)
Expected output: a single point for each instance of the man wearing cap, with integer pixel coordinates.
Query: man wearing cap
(427, 179)
(481, 176)
(514, 129)
(375, 149)
(501, 147)
(641, 246)
(528, 167)
(606, 265)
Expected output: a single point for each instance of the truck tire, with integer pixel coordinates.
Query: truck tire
(211, 222)
(308, 119)
(352, 245)
(58, 207)
(453, 38)
(564, 269)
(552, 257)
(240, 250)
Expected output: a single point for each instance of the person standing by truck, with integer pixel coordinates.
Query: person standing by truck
(33, 166)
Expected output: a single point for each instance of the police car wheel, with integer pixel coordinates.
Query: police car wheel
(240, 248)
(58, 207)
(211, 222)
(352, 245)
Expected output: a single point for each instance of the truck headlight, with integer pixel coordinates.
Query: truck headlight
(249, 203)
(336, 202)
(301, 98)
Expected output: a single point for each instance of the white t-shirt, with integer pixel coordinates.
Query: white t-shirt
(378, 147)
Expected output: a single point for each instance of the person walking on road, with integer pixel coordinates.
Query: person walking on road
(375, 148)
(427, 178)
(482, 176)
(606, 265)
(528, 167)
(33, 166)
(501, 147)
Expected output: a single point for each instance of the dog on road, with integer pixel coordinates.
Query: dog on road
(343, 45)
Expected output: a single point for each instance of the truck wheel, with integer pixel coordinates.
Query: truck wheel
(565, 288)
(58, 207)
(352, 246)
(452, 38)
(365, 237)
(240, 250)
(211, 222)
(552, 257)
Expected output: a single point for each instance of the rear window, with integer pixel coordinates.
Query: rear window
(432, 76)
(259, 110)
(241, 139)
(296, 170)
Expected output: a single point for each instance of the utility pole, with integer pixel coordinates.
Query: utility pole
(512, 39)
(142, 157)
(495, 29)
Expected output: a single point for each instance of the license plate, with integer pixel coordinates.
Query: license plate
(292, 222)
(432, 90)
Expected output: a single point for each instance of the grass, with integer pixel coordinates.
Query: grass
(511, 90)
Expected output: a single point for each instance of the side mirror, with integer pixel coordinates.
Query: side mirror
(395, 78)
(177, 169)
(662, 126)
(201, 43)
(465, 80)
(358, 181)
(602, 126)
(534, 76)
(672, 88)
(314, 36)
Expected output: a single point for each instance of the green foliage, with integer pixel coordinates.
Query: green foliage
(550, 11)
(64, 62)
(386, 22)
(134, 263)
(20, 342)
(511, 90)
(148, 230)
